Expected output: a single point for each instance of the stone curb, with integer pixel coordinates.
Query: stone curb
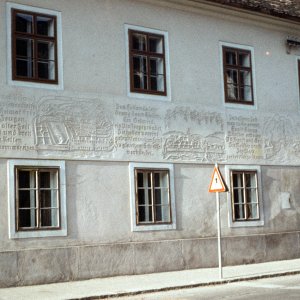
(164, 289)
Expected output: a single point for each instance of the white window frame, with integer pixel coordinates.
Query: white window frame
(13, 233)
(59, 86)
(246, 223)
(242, 47)
(167, 64)
(151, 166)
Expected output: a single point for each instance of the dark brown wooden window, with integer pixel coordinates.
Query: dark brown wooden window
(245, 202)
(34, 47)
(147, 63)
(238, 81)
(299, 75)
(37, 198)
(152, 189)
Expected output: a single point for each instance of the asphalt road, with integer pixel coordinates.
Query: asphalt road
(277, 288)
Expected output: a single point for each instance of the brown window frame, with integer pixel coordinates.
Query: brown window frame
(37, 190)
(35, 38)
(147, 54)
(245, 203)
(299, 75)
(152, 188)
(237, 68)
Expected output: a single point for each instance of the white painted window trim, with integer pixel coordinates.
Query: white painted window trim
(233, 105)
(155, 227)
(256, 223)
(167, 62)
(59, 85)
(13, 234)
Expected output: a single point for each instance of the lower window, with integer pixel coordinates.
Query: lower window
(152, 193)
(245, 203)
(245, 196)
(37, 198)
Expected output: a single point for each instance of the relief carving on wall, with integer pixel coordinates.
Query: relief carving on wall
(64, 124)
(92, 128)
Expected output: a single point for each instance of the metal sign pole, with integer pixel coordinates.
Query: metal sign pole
(219, 236)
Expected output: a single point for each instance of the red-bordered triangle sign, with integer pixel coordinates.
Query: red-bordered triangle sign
(216, 183)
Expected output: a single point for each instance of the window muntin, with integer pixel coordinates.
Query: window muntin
(147, 63)
(34, 47)
(152, 189)
(238, 82)
(37, 198)
(244, 193)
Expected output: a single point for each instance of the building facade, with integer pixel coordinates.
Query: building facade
(112, 116)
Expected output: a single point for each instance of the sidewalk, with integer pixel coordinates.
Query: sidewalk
(137, 284)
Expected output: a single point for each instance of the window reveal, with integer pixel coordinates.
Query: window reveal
(147, 63)
(245, 203)
(37, 198)
(152, 197)
(237, 76)
(34, 47)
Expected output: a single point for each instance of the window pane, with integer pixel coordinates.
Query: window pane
(24, 68)
(251, 195)
(24, 23)
(140, 179)
(27, 199)
(49, 218)
(145, 214)
(156, 66)
(245, 78)
(48, 179)
(142, 195)
(238, 196)
(45, 26)
(232, 76)
(161, 196)
(253, 211)
(46, 70)
(45, 50)
(26, 179)
(244, 59)
(156, 44)
(48, 198)
(162, 214)
(231, 58)
(239, 213)
(250, 180)
(24, 48)
(27, 218)
(232, 92)
(237, 179)
(246, 93)
(139, 42)
(157, 83)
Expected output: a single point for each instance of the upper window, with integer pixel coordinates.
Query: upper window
(148, 69)
(298, 61)
(37, 198)
(238, 81)
(153, 198)
(245, 196)
(34, 47)
(35, 54)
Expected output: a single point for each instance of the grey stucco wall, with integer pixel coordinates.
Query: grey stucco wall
(100, 241)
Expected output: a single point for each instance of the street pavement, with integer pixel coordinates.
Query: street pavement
(275, 288)
(103, 288)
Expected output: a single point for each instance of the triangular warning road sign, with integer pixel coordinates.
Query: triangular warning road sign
(216, 183)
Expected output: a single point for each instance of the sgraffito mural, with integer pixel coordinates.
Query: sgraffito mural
(100, 129)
